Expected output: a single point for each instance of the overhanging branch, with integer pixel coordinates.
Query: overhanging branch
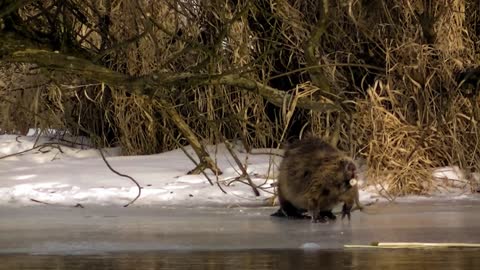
(14, 49)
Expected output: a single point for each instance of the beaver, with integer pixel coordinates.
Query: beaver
(314, 177)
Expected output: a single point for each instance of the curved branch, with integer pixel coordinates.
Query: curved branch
(122, 175)
(15, 48)
(273, 95)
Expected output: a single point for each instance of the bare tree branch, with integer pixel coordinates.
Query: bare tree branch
(13, 49)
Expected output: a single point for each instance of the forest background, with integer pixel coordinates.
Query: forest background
(394, 83)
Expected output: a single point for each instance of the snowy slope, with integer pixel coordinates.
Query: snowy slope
(81, 176)
(71, 175)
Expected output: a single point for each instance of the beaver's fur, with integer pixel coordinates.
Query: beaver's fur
(314, 176)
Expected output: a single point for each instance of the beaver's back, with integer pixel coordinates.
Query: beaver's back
(310, 170)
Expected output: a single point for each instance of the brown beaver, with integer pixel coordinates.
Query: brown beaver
(314, 176)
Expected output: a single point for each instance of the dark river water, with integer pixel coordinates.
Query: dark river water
(392, 259)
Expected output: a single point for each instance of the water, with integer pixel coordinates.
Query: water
(397, 259)
(238, 238)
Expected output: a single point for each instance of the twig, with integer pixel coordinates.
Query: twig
(216, 174)
(37, 201)
(123, 175)
(415, 245)
(78, 205)
(229, 182)
(168, 132)
(33, 148)
(196, 164)
(242, 168)
(262, 153)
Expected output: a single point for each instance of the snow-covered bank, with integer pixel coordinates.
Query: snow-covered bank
(70, 176)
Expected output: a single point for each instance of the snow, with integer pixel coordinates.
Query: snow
(72, 174)
(67, 175)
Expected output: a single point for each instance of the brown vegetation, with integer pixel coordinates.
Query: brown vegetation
(378, 77)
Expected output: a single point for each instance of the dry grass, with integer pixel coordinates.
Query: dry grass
(402, 155)
(412, 118)
(405, 116)
(396, 151)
